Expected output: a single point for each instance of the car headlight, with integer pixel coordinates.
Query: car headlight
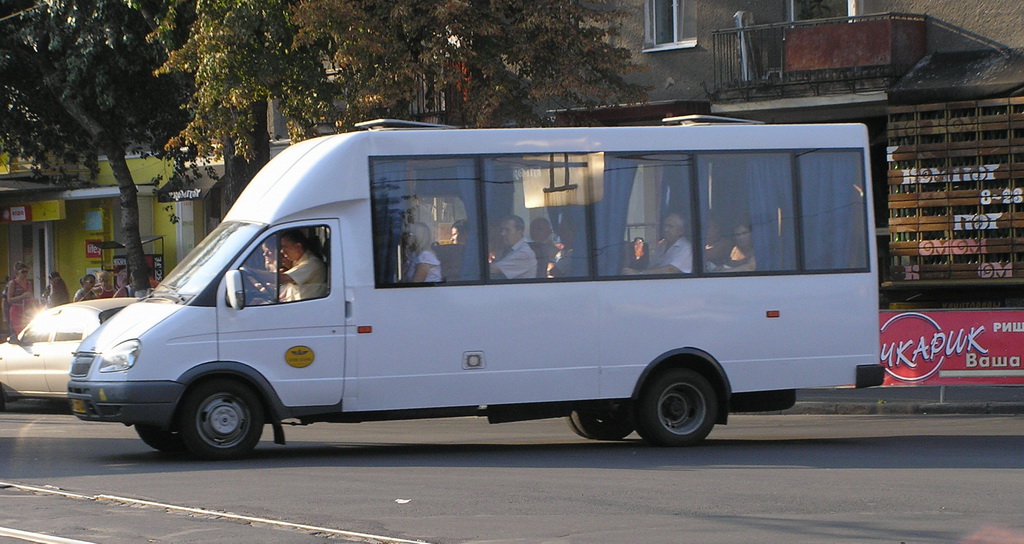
(121, 357)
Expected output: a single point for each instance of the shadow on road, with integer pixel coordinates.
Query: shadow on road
(955, 452)
(38, 406)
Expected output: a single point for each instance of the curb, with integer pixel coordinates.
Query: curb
(905, 408)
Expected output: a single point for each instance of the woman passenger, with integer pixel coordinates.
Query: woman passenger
(421, 264)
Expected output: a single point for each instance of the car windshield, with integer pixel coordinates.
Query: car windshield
(209, 259)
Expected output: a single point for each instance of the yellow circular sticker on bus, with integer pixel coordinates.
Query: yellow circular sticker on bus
(299, 356)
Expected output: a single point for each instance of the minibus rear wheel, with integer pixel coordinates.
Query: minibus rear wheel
(160, 439)
(676, 408)
(221, 419)
(599, 426)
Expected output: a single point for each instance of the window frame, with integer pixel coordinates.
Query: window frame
(684, 34)
(696, 221)
(275, 235)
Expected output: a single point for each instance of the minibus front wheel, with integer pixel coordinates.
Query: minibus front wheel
(676, 408)
(221, 419)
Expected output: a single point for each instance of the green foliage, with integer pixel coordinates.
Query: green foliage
(322, 62)
(486, 62)
(76, 77)
(240, 54)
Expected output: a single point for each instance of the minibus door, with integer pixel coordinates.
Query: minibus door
(290, 327)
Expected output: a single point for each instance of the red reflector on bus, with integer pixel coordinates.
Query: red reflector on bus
(772, 313)
(364, 329)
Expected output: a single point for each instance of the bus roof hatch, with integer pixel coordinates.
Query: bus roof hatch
(708, 120)
(384, 124)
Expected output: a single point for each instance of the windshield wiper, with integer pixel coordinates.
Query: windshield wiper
(169, 295)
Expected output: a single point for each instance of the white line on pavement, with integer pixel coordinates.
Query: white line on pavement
(38, 538)
(226, 515)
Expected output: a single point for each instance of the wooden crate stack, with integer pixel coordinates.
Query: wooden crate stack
(956, 190)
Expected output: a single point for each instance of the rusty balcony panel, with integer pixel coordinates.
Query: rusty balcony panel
(825, 56)
(855, 43)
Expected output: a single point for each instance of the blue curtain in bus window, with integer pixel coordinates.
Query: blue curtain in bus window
(389, 195)
(834, 210)
(751, 190)
(499, 193)
(610, 214)
(770, 179)
(675, 190)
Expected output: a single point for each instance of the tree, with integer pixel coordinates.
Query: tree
(489, 62)
(76, 79)
(241, 54)
(484, 63)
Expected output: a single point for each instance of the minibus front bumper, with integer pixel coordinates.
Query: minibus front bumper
(147, 403)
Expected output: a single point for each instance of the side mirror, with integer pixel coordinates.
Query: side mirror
(235, 289)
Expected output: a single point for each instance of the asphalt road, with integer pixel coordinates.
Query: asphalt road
(771, 478)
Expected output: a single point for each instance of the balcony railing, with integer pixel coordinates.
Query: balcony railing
(825, 56)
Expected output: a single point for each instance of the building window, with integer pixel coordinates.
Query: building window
(669, 24)
(805, 10)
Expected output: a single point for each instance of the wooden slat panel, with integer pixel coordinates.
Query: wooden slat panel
(956, 196)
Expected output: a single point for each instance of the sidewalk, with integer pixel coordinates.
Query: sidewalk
(959, 399)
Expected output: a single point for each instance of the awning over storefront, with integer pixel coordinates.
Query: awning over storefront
(962, 75)
(114, 244)
(178, 191)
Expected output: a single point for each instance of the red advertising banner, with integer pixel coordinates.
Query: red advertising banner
(93, 251)
(954, 347)
(15, 214)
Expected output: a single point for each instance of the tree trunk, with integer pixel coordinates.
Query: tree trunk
(137, 269)
(114, 149)
(239, 170)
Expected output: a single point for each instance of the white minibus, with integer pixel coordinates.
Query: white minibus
(647, 279)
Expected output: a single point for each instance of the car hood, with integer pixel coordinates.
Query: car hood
(131, 322)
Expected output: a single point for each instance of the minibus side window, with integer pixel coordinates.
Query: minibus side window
(834, 211)
(536, 213)
(425, 221)
(747, 218)
(289, 266)
(644, 222)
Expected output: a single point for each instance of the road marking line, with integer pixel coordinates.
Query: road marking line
(49, 490)
(214, 513)
(251, 519)
(39, 538)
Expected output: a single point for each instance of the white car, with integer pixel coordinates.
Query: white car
(35, 364)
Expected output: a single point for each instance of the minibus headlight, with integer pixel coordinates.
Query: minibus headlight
(121, 357)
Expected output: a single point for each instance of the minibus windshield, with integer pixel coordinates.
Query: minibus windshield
(207, 261)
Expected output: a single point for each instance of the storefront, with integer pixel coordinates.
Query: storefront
(78, 231)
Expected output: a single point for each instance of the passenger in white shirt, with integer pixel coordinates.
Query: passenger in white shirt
(674, 254)
(518, 260)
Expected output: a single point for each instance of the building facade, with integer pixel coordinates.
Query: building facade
(876, 62)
